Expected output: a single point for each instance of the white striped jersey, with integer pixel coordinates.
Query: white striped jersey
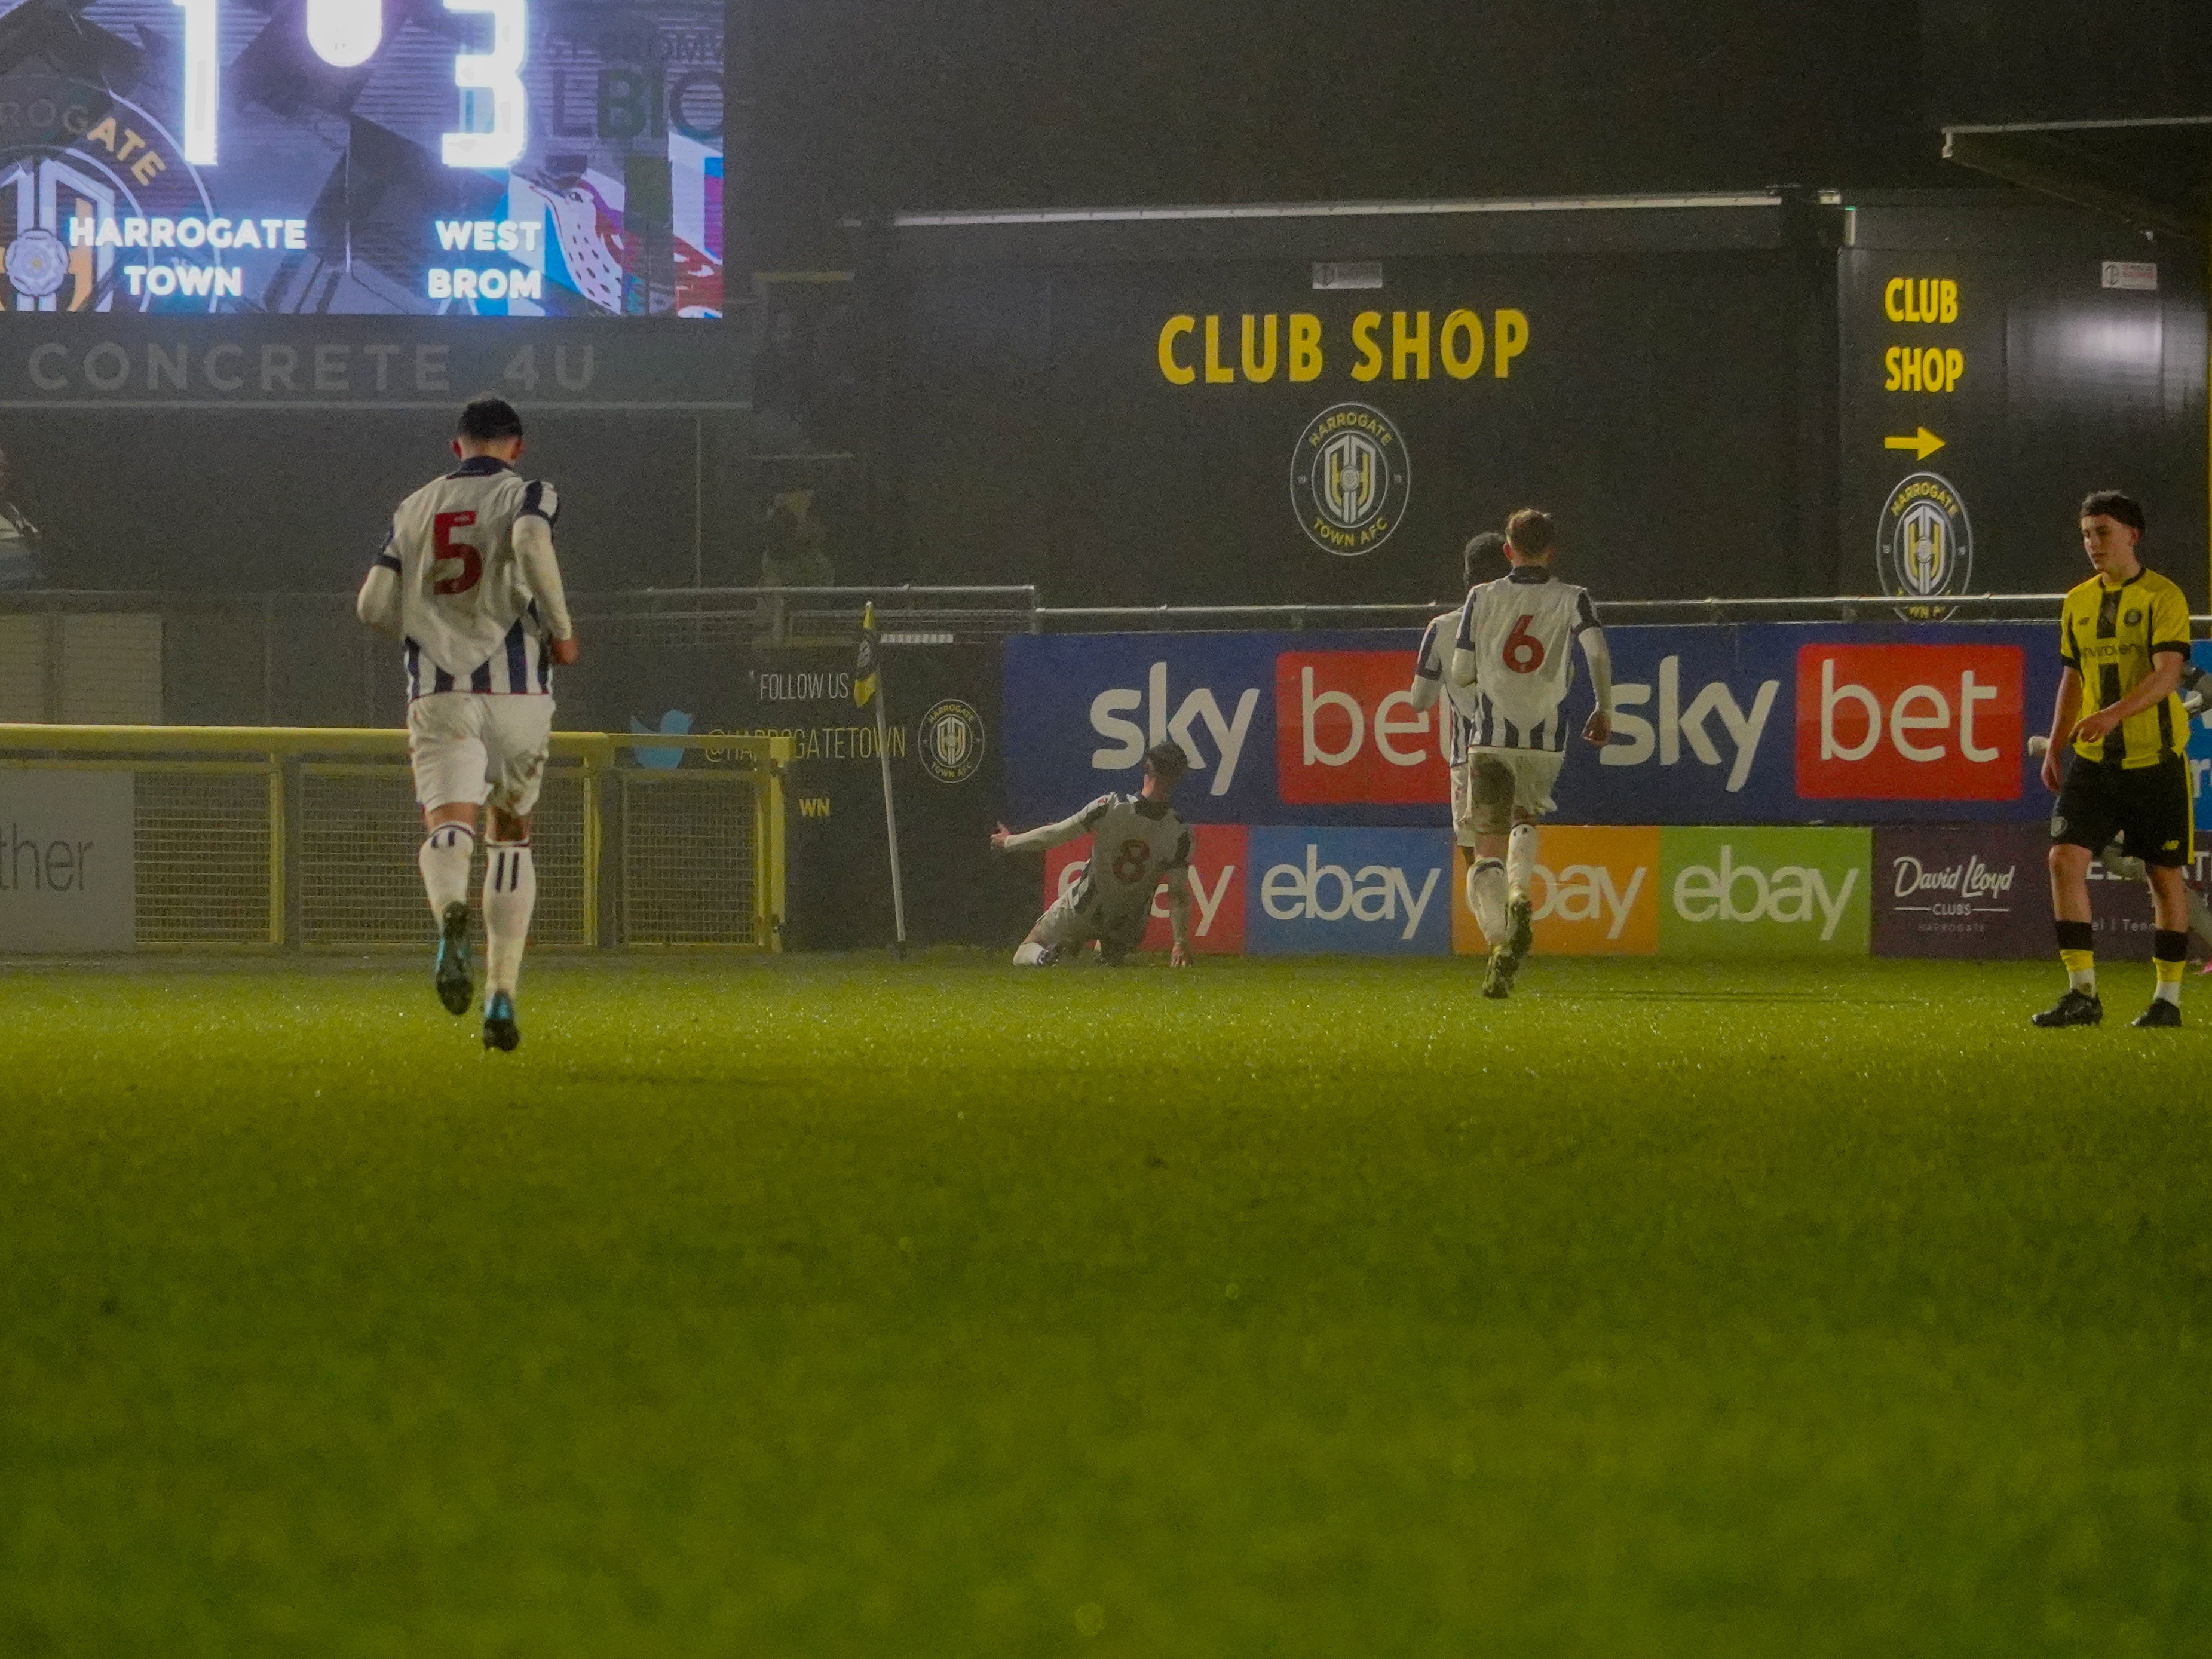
(1135, 842)
(467, 617)
(1433, 686)
(1520, 630)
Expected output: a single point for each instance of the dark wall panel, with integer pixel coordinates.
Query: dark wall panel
(1997, 61)
(238, 505)
(2067, 383)
(1034, 436)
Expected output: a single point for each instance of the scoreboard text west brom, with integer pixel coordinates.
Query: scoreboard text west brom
(425, 157)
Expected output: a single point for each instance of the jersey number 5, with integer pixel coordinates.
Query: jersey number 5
(450, 551)
(1524, 652)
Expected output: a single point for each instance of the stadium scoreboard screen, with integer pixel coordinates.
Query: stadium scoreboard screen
(506, 158)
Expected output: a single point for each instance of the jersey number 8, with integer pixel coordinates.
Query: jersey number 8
(1524, 652)
(1131, 866)
(451, 551)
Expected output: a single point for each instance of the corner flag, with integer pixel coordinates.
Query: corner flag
(866, 677)
(868, 687)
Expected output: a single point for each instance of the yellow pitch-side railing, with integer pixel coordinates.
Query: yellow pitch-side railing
(265, 837)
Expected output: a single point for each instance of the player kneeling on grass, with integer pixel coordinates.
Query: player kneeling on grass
(2195, 690)
(2123, 636)
(1514, 652)
(1137, 841)
(468, 584)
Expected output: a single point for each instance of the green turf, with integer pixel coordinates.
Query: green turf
(843, 1308)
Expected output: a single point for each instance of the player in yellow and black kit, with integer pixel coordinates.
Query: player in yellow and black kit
(2124, 635)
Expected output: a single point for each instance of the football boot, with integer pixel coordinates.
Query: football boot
(2075, 1008)
(455, 989)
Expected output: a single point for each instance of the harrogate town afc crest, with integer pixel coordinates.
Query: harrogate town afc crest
(1350, 479)
(1924, 549)
(950, 741)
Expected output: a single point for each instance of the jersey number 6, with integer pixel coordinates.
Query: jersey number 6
(451, 551)
(1524, 652)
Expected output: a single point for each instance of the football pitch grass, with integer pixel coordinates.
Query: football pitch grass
(847, 1308)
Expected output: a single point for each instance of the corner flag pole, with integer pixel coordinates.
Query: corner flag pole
(867, 687)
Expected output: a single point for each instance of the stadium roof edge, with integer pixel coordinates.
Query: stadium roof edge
(1373, 210)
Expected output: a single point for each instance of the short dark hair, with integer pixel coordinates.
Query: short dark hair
(1531, 531)
(1483, 553)
(1167, 762)
(2111, 504)
(487, 420)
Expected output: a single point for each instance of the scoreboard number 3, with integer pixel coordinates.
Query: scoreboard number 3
(345, 34)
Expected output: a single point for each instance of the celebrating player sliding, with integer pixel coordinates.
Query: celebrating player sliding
(1512, 653)
(468, 581)
(1137, 842)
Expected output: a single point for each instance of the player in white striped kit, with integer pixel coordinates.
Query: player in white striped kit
(468, 583)
(1514, 653)
(1433, 687)
(1137, 842)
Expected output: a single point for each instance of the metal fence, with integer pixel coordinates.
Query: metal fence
(271, 838)
(303, 659)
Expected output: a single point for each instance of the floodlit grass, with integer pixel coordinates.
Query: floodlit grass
(848, 1309)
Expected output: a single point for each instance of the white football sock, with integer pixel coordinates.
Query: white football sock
(1032, 955)
(1485, 897)
(444, 861)
(1520, 860)
(510, 894)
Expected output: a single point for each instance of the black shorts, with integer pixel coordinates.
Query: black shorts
(2148, 805)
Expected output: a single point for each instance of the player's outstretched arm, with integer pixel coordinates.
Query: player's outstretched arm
(1036, 841)
(1598, 729)
(1179, 917)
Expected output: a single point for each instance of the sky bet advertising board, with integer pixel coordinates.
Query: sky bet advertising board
(1823, 723)
(522, 158)
(1718, 822)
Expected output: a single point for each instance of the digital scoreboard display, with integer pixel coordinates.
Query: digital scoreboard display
(502, 158)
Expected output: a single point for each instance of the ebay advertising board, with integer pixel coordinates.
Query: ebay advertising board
(1598, 890)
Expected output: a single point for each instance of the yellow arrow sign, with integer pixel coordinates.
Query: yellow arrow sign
(1923, 444)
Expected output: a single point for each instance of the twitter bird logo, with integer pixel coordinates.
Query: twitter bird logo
(673, 724)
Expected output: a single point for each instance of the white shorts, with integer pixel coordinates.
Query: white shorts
(469, 747)
(1498, 788)
(1068, 927)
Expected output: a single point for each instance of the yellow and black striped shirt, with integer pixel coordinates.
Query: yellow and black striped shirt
(2111, 636)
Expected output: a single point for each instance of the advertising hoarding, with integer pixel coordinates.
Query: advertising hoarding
(1977, 891)
(1765, 891)
(1785, 723)
(1595, 893)
(68, 871)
